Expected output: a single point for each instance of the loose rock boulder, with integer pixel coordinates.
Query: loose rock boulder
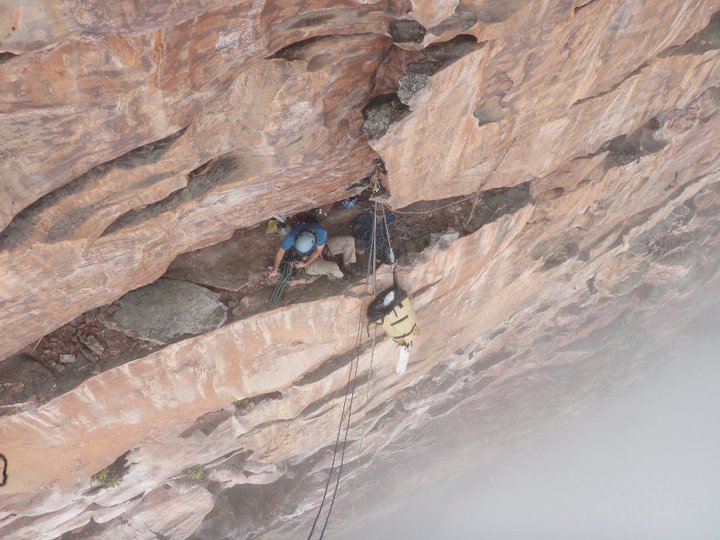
(168, 309)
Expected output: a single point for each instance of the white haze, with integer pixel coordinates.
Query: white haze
(643, 465)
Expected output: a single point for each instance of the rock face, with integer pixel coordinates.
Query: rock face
(167, 310)
(131, 134)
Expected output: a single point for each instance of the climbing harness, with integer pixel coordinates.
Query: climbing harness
(4, 479)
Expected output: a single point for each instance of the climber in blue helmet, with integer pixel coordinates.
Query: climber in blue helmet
(308, 241)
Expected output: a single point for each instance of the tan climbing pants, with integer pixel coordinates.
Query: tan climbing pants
(338, 245)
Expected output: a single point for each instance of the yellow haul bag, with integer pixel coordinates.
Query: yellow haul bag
(392, 310)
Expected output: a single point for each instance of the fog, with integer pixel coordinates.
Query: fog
(642, 464)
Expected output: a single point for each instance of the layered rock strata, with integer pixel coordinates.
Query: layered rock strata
(204, 129)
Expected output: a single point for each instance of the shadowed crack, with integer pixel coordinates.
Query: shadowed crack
(567, 251)
(7, 56)
(243, 406)
(23, 223)
(629, 147)
(434, 58)
(381, 112)
(463, 19)
(614, 87)
(201, 181)
(407, 31)
(340, 392)
(207, 423)
(384, 110)
(486, 361)
(312, 19)
(495, 203)
(583, 6)
(91, 529)
(111, 476)
(296, 50)
(708, 39)
(331, 365)
(642, 142)
(240, 511)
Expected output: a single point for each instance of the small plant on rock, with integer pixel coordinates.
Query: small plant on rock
(107, 479)
(195, 473)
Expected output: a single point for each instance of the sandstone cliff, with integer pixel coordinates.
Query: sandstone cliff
(136, 136)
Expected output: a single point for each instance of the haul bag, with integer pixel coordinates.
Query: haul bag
(392, 310)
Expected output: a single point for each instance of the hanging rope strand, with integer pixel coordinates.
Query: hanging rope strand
(373, 257)
(358, 336)
(286, 271)
(391, 253)
(373, 254)
(349, 395)
(362, 425)
(342, 455)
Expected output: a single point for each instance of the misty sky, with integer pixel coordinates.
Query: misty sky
(644, 464)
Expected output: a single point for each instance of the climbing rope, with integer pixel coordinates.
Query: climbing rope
(415, 212)
(347, 405)
(285, 271)
(373, 257)
(362, 424)
(374, 240)
(365, 230)
(477, 193)
(474, 194)
(391, 253)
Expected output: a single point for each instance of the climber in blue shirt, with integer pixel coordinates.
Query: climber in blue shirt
(309, 241)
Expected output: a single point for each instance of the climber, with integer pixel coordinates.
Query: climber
(305, 245)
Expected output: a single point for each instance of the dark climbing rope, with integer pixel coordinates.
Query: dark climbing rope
(373, 259)
(367, 233)
(373, 256)
(349, 396)
(286, 272)
(4, 470)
